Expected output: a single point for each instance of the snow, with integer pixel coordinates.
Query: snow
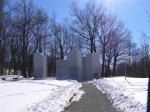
(11, 77)
(37, 95)
(128, 95)
(52, 95)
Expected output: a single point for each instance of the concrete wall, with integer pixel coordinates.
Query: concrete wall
(75, 65)
(39, 66)
(84, 68)
(92, 67)
(62, 71)
(96, 68)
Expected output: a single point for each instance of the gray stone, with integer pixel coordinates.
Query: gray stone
(75, 65)
(39, 66)
(84, 68)
(62, 71)
(91, 67)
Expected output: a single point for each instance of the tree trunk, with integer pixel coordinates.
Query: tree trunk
(3, 52)
(14, 64)
(94, 45)
(23, 65)
(61, 52)
(103, 62)
(91, 45)
(108, 68)
(1, 15)
(114, 66)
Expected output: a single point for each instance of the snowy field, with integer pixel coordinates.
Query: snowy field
(128, 95)
(37, 95)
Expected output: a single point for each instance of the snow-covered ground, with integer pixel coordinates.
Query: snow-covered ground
(37, 95)
(128, 95)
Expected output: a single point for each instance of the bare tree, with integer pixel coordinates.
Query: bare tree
(135, 59)
(86, 23)
(145, 58)
(1, 14)
(4, 41)
(121, 45)
(26, 17)
(105, 34)
(61, 34)
(41, 32)
(109, 58)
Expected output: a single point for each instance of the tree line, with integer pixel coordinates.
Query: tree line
(25, 29)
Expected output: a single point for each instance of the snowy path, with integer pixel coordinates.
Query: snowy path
(92, 101)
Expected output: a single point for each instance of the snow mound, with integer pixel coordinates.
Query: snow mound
(123, 94)
(55, 102)
(38, 95)
(11, 77)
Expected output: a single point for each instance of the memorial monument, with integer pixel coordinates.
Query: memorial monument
(39, 66)
(77, 67)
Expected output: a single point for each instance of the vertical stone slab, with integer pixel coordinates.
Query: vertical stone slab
(62, 69)
(84, 68)
(39, 66)
(96, 67)
(92, 65)
(75, 65)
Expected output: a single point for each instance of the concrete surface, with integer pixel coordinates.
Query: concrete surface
(92, 101)
(39, 66)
